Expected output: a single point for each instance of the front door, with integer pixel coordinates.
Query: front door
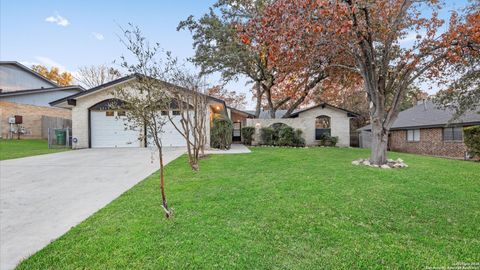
(237, 132)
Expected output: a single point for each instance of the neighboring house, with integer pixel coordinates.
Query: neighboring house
(15, 76)
(313, 121)
(427, 130)
(40, 96)
(26, 93)
(19, 84)
(96, 125)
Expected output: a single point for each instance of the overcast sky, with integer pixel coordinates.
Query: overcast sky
(69, 34)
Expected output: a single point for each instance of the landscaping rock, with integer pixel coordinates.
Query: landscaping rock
(391, 164)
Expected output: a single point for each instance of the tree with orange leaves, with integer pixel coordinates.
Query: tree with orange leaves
(463, 94)
(300, 57)
(62, 78)
(232, 39)
(367, 38)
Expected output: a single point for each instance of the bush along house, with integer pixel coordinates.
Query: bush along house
(310, 126)
(427, 130)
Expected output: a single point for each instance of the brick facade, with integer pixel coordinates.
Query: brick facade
(431, 143)
(32, 117)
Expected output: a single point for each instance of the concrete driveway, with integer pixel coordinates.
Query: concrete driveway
(42, 197)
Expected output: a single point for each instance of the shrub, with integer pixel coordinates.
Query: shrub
(267, 135)
(298, 139)
(276, 131)
(221, 134)
(327, 140)
(286, 136)
(247, 134)
(472, 139)
(282, 135)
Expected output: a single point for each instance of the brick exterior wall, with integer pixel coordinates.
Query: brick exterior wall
(32, 117)
(431, 143)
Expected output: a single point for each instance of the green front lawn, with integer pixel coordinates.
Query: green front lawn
(284, 209)
(10, 149)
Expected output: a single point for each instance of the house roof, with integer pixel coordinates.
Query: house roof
(41, 90)
(427, 115)
(15, 63)
(323, 105)
(280, 113)
(94, 89)
(247, 113)
(265, 114)
(115, 82)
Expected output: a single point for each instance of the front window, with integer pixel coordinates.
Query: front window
(413, 135)
(109, 113)
(322, 127)
(175, 112)
(453, 134)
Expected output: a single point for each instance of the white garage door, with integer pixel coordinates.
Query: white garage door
(170, 135)
(108, 130)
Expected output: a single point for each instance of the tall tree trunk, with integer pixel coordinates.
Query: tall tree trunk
(379, 142)
(272, 110)
(162, 185)
(259, 94)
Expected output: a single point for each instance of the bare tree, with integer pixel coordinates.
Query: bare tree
(92, 76)
(147, 95)
(191, 101)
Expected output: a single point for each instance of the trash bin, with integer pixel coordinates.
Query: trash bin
(61, 136)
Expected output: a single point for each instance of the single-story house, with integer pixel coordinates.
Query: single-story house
(427, 130)
(26, 93)
(313, 121)
(95, 124)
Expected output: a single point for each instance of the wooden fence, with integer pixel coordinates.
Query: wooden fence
(52, 123)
